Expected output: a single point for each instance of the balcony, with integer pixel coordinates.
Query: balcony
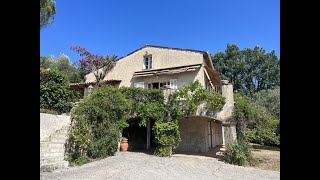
(225, 90)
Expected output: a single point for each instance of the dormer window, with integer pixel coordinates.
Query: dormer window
(147, 62)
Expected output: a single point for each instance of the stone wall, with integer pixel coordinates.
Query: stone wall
(53, 136)
(50, 123)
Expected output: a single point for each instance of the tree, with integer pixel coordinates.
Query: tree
(62, 64)
(250, 70)
(47, 12)
(96, 64)
(270, 99)
(54, 91)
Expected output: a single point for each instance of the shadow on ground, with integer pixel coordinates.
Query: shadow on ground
(216, 152)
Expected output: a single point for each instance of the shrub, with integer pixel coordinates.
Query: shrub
(264, 133)
(166, 136)
(263, 127)
(54, 91)
(49, 111)
(239, 153)
(96, 125)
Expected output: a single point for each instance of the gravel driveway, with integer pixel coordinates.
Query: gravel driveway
(133, 165)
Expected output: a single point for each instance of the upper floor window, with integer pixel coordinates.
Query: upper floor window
(147, 62)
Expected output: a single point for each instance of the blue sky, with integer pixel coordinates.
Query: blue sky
(122, 26)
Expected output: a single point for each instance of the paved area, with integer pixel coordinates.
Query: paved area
(136, 166)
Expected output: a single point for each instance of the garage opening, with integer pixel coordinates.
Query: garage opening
(140, 138)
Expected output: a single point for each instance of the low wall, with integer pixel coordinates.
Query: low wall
(50, 123)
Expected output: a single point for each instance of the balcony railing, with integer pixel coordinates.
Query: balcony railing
(202, 109)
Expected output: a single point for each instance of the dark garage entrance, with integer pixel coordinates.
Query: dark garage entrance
(138, 136)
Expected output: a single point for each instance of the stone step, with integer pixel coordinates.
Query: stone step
(51, 154)
(52, 150)
(59, 135)
(51, 159)
(58, 140)
(51, 144)
(54, 166)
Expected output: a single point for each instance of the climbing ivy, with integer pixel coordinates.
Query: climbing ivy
(98, 121)
(183, 102)
(186, 100)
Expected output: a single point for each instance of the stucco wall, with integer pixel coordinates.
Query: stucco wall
(161, 58)
(193, 133)
(230, 134)
(226, 113)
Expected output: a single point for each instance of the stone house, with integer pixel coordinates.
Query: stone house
(169, 69)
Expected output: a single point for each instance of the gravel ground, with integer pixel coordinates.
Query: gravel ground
(133, 165)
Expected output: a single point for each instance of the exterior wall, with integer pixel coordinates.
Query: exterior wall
(227, 92)
(193, 133)
(230, 134)
(161, 58)
(182, 78)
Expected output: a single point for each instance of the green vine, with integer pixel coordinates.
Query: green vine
(98, 121)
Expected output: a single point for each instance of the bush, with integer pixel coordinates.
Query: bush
(265, 134)
(54, 91)
(263, 127)
(239, 153)
(167, 136)
(96, 125)
(49, 111)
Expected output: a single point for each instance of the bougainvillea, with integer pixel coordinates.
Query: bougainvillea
(97, 64)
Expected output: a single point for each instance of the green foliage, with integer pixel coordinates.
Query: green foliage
(54, 91)
(99, 119)
(265, 133)
(166, 133)
(242, 111)
(239, 154)
(215, 101)
(263, 128)
(186, 100)
(47, 12)
(96, 125)
(150, 110)
(270, 99)
(141, 98)
(49, 111)
(250, 70)
(62, 64)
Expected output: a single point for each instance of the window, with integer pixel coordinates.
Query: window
(162, 85)
(173, 84)
(139, 85)
(158, 85)
(147, 63)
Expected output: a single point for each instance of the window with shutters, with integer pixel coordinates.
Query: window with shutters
(147, 62)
